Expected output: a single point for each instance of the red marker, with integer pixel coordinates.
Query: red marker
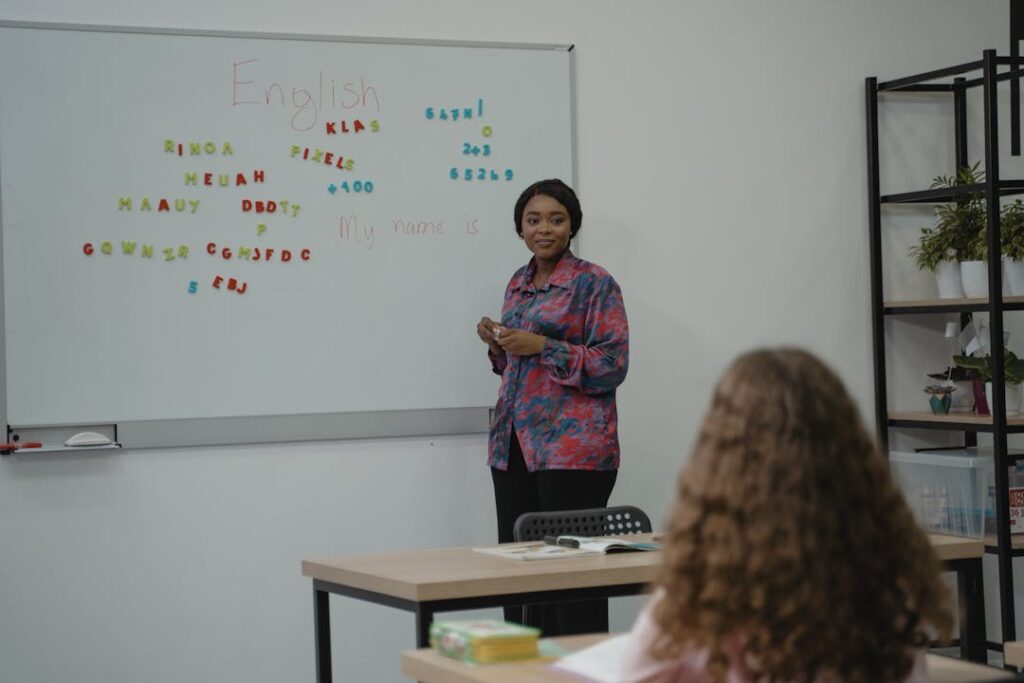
(11, 447)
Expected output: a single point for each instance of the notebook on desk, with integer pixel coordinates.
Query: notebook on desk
(555, 547)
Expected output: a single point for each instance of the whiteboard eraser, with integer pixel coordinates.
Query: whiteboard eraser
(88, 439)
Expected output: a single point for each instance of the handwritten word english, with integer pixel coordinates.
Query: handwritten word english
(247, 88)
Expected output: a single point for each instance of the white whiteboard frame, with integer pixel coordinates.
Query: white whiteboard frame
(273, 428)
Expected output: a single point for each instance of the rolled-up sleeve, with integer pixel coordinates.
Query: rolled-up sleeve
(598, 365)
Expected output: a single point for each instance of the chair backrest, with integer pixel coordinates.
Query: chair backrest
(610, 521)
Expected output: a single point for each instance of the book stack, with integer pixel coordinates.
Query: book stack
(484, 641)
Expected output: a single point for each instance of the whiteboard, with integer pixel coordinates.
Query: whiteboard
(204, 225)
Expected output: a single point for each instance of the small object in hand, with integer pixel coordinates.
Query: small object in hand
(498, 329)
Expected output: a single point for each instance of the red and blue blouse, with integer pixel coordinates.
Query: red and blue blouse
(561, 402)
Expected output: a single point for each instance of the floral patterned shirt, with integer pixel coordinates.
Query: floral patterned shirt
(561, 402)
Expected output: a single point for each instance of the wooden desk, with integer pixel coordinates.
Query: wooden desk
(426, 582)
(429, 667)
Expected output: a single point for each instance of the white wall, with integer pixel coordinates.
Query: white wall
(722, 172)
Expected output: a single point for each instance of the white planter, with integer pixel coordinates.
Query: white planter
(1013, 398)
(1014, 276)
(974, 275)
(947, 276)
(963, 397)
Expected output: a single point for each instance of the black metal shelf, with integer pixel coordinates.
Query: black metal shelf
(953, 422)
(994, 69)
(950, 194)
(920, 82)
(1016, 551)
(935, 306)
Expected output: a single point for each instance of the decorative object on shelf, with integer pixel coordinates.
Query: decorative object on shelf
(954, 375)
(962, 379)
(1013, 375)
(1013, 396)
(940, 397)
(1012, 239)
(945, 247)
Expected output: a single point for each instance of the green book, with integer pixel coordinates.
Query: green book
(484, 641)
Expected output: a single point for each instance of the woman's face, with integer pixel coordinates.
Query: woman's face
(546, 228)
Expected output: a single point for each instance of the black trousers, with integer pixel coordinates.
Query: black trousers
(517, 490)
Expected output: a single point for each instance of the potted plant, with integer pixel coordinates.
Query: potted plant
(940, 397)
(1013, 375)
(1011, 233)
(962, 379)
(954, 239)
(934, 251)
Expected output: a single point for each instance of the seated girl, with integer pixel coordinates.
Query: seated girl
(790, 555)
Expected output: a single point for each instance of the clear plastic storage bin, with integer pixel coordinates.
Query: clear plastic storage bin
(949, 491)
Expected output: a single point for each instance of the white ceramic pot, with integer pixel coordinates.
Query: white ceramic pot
(1014, 275)
(963, 398)
(947, 276)
(974, 275)
(1013, 398)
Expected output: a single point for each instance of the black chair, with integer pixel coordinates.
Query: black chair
(610, 521)
(591, 615)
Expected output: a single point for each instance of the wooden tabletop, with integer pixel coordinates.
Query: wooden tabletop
(1013, 653)
(446, 573)
(957, 547)
(429, 667)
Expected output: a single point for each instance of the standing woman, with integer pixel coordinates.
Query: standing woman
(561, 348)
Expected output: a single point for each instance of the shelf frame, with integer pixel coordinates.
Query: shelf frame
(995, 305)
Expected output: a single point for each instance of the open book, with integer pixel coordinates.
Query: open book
(602, 544)
(565, 546)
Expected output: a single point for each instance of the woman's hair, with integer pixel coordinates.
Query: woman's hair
(789, 539)
(558, 191)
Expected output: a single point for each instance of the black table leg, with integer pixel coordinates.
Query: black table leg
(972, 611)
(424, 617)
(322, 627)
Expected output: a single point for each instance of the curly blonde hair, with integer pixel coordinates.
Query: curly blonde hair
(790, 537)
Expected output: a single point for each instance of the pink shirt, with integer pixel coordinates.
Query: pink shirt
(640, 667)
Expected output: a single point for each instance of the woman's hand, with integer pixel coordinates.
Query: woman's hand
(486, 329)
(520, 342)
